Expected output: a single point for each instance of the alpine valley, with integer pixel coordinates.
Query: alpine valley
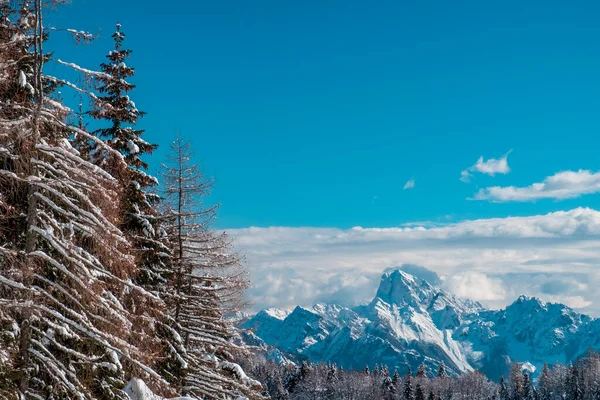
(412, 322)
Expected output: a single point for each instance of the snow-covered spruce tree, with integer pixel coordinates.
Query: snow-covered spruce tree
(140, 221)
(64, 265)
(13, 60)
(442, 371)
(207, 283)
(516, 380)
(503, 392)
(407, 390)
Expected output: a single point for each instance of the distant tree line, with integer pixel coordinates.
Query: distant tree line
(577, 381)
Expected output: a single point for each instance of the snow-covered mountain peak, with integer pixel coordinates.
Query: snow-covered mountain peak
(402, 289)
(277, 313)
(410, 322)
(530, 301)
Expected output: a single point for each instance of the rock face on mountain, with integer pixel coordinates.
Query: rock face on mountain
(410, 322)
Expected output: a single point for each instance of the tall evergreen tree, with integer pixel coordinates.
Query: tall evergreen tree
(140, 221)
(64, 268)
(516, 381)
(395, 377)
(206, 283)
(574, 384)
(331, 382)
(442, 371)
(407, 387)
(419, 392)
(422, 371)
(544, 384)
(528, 392)
(385, 371)
(503, 392)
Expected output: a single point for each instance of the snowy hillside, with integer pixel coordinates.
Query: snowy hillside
(410, 322)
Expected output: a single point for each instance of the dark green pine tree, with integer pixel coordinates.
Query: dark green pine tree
(331, 382)
(516, 381)
(396, 377)
(388, 389)
(442, 371)
(528, 392)
(385, 371)
(431, 395)
(305, 370)
(419, 392)
(503, 391)
(574, 386)
(407, 390)
(140, 218)
(595, 390)
(422, 371)
(544, 389)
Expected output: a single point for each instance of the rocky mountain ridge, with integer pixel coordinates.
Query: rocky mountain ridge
(410, 322)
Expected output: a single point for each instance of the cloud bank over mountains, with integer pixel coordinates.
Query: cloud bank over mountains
(554, 256)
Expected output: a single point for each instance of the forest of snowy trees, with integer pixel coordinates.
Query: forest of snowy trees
(578, 381)
(109, 277)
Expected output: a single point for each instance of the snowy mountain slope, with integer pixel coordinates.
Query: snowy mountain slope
(410, 322)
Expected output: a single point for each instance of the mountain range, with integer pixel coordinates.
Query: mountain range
(412, 322)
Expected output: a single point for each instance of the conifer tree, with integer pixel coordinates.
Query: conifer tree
(544, 384)
(596, 391)
(419, 392)
(442, 371)
(331, 382)
(503, 392)
(527, 387)
(15, 93)
(395, 377)
(407, 390)
(140, 221)
(64, 266)
(574, 387)
(206, 283)
(516, 381)
(422, 371)
(385, 372)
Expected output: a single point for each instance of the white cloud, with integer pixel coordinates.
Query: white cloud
(465, 176)
(560, 186)
(490, 167)
(571, 301)
(553, 256)
(410, 184)
(475, 286)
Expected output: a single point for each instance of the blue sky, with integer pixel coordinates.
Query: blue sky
(318, 113)
(313, 117)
